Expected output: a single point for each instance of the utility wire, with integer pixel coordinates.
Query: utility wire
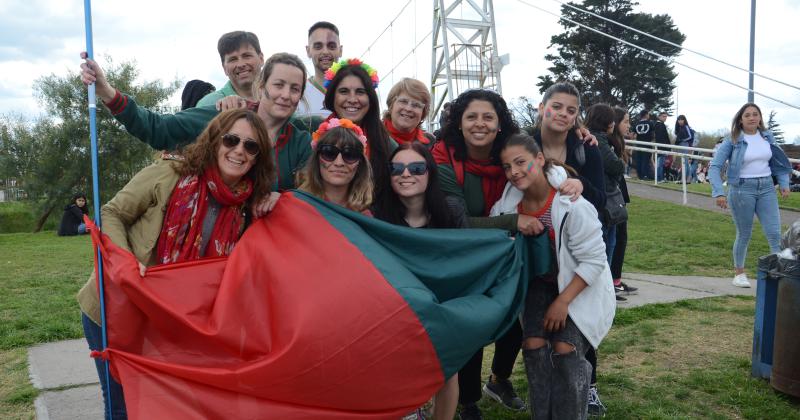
(659, 55)
(674, 44)
(406, 56)
(385, 29)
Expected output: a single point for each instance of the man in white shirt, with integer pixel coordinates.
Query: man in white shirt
(323, 49)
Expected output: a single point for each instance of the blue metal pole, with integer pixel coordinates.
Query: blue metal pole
(87, 11)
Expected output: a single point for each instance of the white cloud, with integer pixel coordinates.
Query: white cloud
(39, 37)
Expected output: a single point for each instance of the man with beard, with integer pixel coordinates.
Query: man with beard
(242, 59)
(323, 49)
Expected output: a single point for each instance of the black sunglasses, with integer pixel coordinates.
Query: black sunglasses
(414, 168)
(329, 153)
(231, 140)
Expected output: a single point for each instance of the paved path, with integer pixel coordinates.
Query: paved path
(67, 377)
(700, 201)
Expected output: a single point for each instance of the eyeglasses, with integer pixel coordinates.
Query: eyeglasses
(414, 168)
(231, 140)
(329, 153)
(419, 106)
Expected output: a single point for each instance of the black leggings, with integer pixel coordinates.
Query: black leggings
(506, 350)
(619, 251)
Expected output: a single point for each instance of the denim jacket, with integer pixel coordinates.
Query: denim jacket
(734, 153)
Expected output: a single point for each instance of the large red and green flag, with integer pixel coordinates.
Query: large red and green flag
(319, 313)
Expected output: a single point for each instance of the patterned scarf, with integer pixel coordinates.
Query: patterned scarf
(181, 232)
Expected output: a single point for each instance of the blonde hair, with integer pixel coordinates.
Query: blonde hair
(415, 89)
(359, 192)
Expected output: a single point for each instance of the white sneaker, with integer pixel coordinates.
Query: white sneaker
(740, 280)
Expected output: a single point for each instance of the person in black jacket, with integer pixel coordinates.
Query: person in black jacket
(72, 219)
(662, 137)
(645, 131)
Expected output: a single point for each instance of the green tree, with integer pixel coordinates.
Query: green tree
(51, 156)
(606, 70)
(525, 111)
(775, 127)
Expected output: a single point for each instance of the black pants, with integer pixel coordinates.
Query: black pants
(619, 251)
(506, 350)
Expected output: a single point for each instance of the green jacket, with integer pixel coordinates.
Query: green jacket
(170, 131)
(471, 195)
(212, 98)
(133, 220)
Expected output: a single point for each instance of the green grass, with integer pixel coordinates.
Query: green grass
(791, 203)
(665, 238)
(689, 359)
(41, 273)
(21, 216)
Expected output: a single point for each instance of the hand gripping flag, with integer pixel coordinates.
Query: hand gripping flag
(319, 313)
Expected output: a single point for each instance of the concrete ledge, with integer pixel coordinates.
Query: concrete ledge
(85, 402)
(61, 364)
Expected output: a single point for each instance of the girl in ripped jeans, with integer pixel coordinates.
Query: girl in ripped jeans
(570, 308)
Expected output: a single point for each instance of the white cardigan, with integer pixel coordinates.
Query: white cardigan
(581, 250)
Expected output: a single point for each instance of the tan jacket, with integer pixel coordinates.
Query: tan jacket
(133, 220)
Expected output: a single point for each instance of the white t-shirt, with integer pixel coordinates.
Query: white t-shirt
(313, 102)
(756, 157)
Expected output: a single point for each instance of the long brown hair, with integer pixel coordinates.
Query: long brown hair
(736, 125)
(359, 192)
(203, 153)
(530, 144)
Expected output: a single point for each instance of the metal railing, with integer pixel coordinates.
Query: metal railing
(656, 149)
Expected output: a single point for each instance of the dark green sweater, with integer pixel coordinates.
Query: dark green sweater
(170, 131)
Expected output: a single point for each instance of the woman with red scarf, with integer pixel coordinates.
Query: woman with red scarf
(408, 103)
(183, 209)
(468, 160)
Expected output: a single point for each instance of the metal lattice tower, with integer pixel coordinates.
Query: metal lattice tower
(464, 54)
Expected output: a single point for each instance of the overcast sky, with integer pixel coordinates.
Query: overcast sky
(177, 39)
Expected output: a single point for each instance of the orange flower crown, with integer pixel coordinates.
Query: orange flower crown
(338, 122)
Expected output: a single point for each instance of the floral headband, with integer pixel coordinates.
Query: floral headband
(338, 122)
(331, 72)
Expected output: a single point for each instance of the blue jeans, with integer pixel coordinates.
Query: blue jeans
(660, 167)
(94, 336)
(81, 228)
(690, 169)
(610, 238)
(641, 162)
(749, 197)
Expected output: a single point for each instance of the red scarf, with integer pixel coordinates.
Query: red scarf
(402, 137)
(181, 232)
(493, 179)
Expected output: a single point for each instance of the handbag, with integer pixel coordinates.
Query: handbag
(615, 211)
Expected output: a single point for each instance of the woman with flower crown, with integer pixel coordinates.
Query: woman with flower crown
(279, 88)
(351, 94)
(338, 170)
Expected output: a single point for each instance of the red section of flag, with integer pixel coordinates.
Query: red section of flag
(296, 323)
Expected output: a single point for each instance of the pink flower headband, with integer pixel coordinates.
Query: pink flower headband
(338, 122)
(331, 72)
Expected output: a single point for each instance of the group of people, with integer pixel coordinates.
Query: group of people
(226, 161)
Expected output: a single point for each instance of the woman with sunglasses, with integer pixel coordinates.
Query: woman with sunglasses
(408, 104)
(183, 209)
(279, 88)
(351, 95)
(414, 199)
(338, 170)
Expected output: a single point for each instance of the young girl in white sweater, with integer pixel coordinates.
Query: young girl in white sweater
(573, 305)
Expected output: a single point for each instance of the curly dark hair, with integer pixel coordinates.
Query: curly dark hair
(203, 152)
(452, 134)
(376, 133)
(389, 208)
